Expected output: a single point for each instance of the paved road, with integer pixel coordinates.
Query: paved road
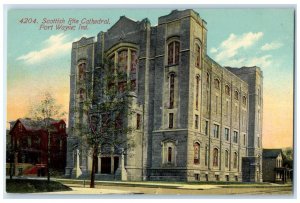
(215, 190)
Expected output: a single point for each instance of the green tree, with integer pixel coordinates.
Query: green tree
(104, 120)
(44, 111)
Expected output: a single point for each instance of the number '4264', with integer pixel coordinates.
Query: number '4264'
(28, 20)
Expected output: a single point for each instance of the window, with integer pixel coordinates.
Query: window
(226, 134)
(172, 86)
(244, 100)
(196, 121)
(169, 154)
(217, 177)
(197, 92)
(197, 176)
(196, 153)
(227, 177)
(236, 95)
(244, 139)
(258, 142)
(216, 131)
(206, 127)
(173, 53)
(235, 136)
(207, 79)
(171, 115)
(227, 90)
(122, 60)
(215, 157)
(207, 101)
(217, 83)
(226, 159)
(217, 98)
(206, 155)
(133, 85)
(134, 60)
(138, 121)
(198, 56)
(81, 71)
(227, 108)
(122, 86)
(236, 178)
(235, 159)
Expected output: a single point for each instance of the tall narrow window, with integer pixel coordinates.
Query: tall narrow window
(216, 131)
(196, 121)
(217, 98)
(172, 87)
(227, 90)
(215, 157)
(133, 64)
(122, 60)
(81, 94)
(236, 95)
(226, 159)
(81, 71)
(226, 133)
(133, 85)
(171, 120)
(206, 155)
(244, 100)
(235, 160)
(207, 101)
(196, 153)
(207, 80)
(244, 139)
(227, 108)
(217, 83)
(206, 127)
(138, 121)
(235, 136)
(169, 154)
(197, 92)
(198, 56)
(173, 53)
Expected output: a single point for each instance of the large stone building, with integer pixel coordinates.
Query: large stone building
(200, 121)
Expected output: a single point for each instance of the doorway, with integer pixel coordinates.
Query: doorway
(106, 165)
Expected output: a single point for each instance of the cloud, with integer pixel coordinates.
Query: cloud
(261, 61)
(213, 50)
(230, 47)
(54, 46)
(271, 46)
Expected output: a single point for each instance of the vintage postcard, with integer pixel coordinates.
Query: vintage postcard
(150, 101)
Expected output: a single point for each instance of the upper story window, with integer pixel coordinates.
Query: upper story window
(227, 90)
(81, 71)
(173, 52)
(226, 158)
(236, 95)
(235, 136)
(81, 93)
(235, 160)
(198, 56)
(171, 90)
(138, 121)
(134, 60)
(217, 83)
(197, 91)
(207, 79)
(216, 131)
(122, 60)
(226, 134)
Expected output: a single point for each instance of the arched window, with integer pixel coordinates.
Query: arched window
(171, 89)
(173, 52)
(236, 95)
(227, 90)
(168, 149)
(215, 157)
(217, 83)
(197, 91)
(226, 159)
(235, 159)
(196, 153)
(198, 56)
(81, 71)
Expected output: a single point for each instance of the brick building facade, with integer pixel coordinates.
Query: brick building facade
(199, 119)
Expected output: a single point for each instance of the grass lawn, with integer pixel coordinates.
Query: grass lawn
(32, 186)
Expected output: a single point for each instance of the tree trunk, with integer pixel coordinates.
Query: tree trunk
(94, 158)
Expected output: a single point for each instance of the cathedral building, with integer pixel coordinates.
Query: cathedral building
(195, 119)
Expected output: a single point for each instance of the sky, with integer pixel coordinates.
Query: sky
(39, 60)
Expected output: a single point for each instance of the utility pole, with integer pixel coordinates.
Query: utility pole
(48, 157)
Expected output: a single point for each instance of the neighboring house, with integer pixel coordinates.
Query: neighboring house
(195, 120)
(273, 169)
(30, 146)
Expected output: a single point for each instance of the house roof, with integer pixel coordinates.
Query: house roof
(271, 153)
(30, 124)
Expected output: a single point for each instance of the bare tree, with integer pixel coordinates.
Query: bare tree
(44, 112)
(107, 126)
